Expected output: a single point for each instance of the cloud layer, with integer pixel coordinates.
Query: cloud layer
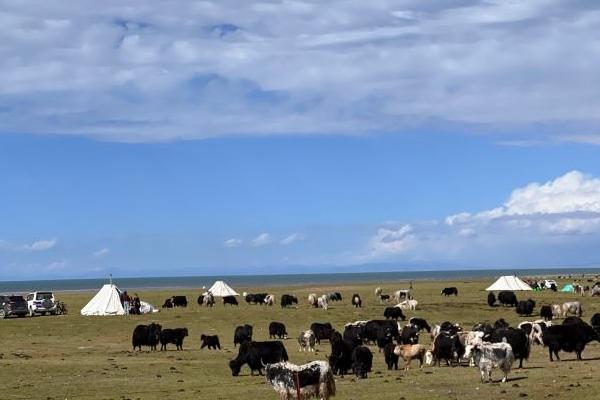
(559, 215)
(147, 71)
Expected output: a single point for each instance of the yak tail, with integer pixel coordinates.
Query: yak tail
(328, 389)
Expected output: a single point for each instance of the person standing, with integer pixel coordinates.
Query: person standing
(137, 304)
(126, 301)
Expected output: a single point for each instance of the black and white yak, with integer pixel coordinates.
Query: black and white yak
(489, 356)
(291, 381)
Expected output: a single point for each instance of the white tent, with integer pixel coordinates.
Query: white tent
(221, 289)
(509, 282)
(106, 302)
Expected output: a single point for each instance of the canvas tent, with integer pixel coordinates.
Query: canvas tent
(568, 288)
(221, 289)
(509, 282)
(106, 302)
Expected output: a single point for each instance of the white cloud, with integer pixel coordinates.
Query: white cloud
(262, 240)
(233, 242)
(56, 265)
(547, 216)
(293, 238)
(39, 245)
(102, 252)
(149, 71)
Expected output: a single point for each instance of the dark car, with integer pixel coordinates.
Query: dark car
(12, 305)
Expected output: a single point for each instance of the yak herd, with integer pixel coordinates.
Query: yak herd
(485, 345)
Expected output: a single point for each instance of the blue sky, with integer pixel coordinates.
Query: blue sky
(228, 137)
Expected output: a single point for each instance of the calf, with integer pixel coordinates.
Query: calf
(356, 300)
(255, 354)
(489, 356)
(321, 330)
(409, 352)
(212, 342)
(312, 380)
(362, 361)
(174, 336)
(306, 340)
(230, 300)
(242, 334)
(391, 358)
(288, 300)
(146, 335)
(393, 313)
(277, 330)
(384, 297)
(449, 291)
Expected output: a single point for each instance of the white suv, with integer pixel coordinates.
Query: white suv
(41, 303)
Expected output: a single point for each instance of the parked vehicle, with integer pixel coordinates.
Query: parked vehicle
(12, 305)
(41, 303)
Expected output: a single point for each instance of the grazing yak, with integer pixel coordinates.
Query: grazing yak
(525, 307)
(230, 300)
(179, 301)
(212, 342)
(146, 335)
(242, 334)
(288, 300)
(255, 354)
(491, 299)
(410, 352)
(409, 335)
(312, 380)
(306, 340)
(340, 358)
(489, 356)
(420, 323)
(507, 298)
(257, 298)
(447, 347)
(518, 340)
(402, 294)
(449, 291)
(546, 313)
(362, 361)
(277, 330)
(313, 300)
(322, 302)
(391, 358)
(270, 299)
(334, 296)
(174, 336)
(209, 300)
(384, 297)
(570, 338)
(322, 331)
(356, 300)
(354, 333)
(374, 329)
(393, 313)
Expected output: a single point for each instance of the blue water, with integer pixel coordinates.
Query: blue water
(255, 281)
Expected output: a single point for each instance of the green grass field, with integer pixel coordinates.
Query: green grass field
(75, 357)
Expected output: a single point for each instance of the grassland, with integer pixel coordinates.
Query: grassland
(75, 357)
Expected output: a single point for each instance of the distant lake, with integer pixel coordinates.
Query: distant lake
(282, 280)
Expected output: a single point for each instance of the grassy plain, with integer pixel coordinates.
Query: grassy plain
(75, 357)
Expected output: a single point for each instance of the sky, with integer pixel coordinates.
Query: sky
(159, 138)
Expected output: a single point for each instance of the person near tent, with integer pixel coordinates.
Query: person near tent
(125, 301)
(137, 304)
